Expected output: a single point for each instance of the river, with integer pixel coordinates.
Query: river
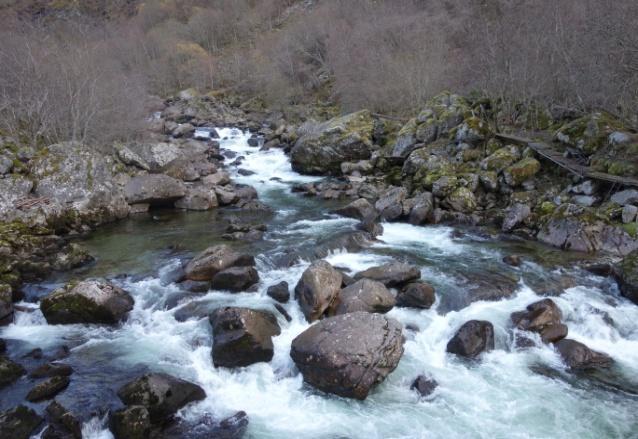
(509, 393)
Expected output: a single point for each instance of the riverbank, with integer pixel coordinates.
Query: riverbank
(455, 273)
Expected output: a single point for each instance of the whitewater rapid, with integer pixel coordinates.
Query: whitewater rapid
(507, 394)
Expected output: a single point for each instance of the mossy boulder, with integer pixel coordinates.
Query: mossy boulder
(321, 148)
(521, 171)
(589, 133)
(462, 200)
(500, 159)
(19, 422)
(90, 301)
(9, 371)
(406, 139)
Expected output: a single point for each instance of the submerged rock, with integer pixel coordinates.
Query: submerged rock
(348, 354)
(393, 274)
(318, 289)
(424, 385)
(161, 394)
(365, 295)
(19, 423)
(48, 389)
(211, 261)
(90, 301)
(579, 357)
(233, 427)
(9, 371)
(242, 336)
(132, 422)
(473, 338)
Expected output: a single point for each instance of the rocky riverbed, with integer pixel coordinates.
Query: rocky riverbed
(352, 277)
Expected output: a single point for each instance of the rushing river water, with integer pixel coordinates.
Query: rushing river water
(509, 393)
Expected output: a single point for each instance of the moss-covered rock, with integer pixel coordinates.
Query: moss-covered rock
(321, 148)
(462, 200)
(91, 301)
(589, 133)
(9, 371)
(628, 276)
(521, 171)
(500, 159)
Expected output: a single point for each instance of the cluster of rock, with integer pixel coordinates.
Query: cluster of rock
(447, 165)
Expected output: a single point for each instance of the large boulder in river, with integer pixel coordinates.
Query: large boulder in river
(365, 295)
(205, 265)
(161, 394)
(348, 354)
(89, 301)
(579, 357)
(154, 189)
(322, 148)
(628, 276)
(392, 274)
(542, 317)
(390, 203)
(132, 422)
(242, 336)
(318, 289)
(19, 423)
(472, 338)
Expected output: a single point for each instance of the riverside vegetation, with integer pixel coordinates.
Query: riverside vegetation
(146, 276)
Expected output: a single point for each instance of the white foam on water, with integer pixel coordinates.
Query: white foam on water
(421, 239)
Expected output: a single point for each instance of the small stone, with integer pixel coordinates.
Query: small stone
(474, 337)
(513, 260)
(424, 385)
(279, 292)
(629, 213)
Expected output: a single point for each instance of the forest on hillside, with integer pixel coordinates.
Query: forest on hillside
(84, 70)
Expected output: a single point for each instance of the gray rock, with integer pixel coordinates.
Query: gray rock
(132, 422)
(161, 394)
(197, 198)
(19, 422)
(235, 279)
(628, 196)
(6, 165)
(365, 295)
(422, 209)
(587, 187)
(242, 336)
(390, 203)
(392, 274)
(628, 276)
(154, 189)
(130, 158)
(424, 385)
(418, 295)
(321, 148)
(9, 371)
(211, 261)
(585, 200)
(473, 338)
(89, 301)
(348, 354)
(515, 215)
(629, 212)
(219, 178)
(542, 317)
(279, 292)
(48, 389)
(183, 130)
(318, 289)
(578, 357)
(359, 209)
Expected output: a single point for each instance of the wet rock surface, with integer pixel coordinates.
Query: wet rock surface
(392, 274)
(349, 354)
(242, 336)
(472, 339)
(318, 289)
(92, 301)
(365, 295)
